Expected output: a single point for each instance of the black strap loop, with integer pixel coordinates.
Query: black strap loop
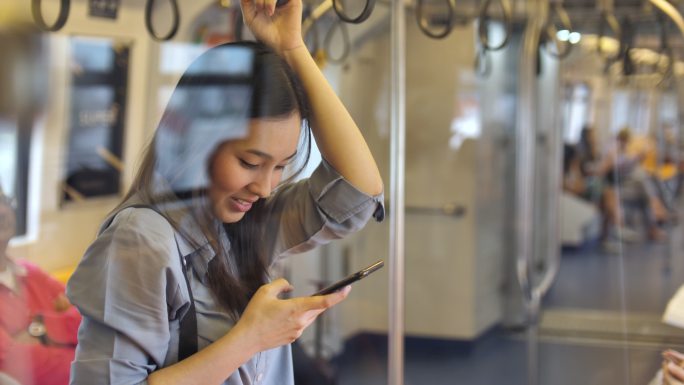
(551, 32)
(608, 20)
(626, 45)
(149, 8)
(346, 42)
(483, 63)
(664, 49)
(424, 23)
(483, 25)
(36, 11)
(187, 340)
(367, 10)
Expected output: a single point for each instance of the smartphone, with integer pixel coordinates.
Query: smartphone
(352, 278)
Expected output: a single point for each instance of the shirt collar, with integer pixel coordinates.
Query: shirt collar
(194, 245)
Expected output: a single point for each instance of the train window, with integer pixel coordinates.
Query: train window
(99, 78)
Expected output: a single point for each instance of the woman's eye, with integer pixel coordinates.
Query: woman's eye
(280, 167)
(248, 165)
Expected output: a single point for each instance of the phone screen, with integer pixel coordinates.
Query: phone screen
(351, 278)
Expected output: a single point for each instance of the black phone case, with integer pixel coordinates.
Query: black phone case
(351, 279)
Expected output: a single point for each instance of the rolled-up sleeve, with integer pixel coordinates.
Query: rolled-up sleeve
(127, 288)
(317, 210)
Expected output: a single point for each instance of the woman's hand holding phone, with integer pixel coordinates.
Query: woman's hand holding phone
(271, 321)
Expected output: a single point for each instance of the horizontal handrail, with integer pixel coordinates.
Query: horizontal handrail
(448, 209)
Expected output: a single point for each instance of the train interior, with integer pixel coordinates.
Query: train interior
(534, 147)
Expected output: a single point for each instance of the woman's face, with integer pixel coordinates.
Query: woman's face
(243, 171)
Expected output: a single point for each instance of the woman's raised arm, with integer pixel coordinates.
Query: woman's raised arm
(338, 138)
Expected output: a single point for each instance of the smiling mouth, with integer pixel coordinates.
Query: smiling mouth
(241, 205)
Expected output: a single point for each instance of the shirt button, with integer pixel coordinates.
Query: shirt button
(259, 377)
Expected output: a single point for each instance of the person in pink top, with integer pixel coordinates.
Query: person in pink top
(38, 325)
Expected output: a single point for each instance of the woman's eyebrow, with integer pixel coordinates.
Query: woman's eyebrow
(268, 156)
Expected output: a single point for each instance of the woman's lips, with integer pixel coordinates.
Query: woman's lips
(240, 205)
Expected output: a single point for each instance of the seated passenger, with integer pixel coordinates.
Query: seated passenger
(658, 168)
(573, 180)
(38, 326)
(584, 173)
(625, 180)
(589, 159)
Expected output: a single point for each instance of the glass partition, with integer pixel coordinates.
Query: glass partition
(586, 304)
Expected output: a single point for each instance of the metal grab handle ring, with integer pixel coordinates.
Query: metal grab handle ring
(483, 63)
(424, 25)
(483, 25)
(626, 45)
(550, 32)
(36, 11)
(608, 19)
(345, 40)
(311, 31)
(668, 73)
(666, 49)
(367, 10)
(148, 21)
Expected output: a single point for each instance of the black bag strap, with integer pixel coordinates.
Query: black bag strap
(187, 341)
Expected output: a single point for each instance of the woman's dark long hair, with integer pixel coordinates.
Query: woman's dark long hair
(267, 89)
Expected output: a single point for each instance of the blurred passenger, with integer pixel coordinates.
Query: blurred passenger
(660, 165)
(38, 326)
(207, 217)
(655, 170)
(584, 174)
(573, 180)
(627, 182)
(589, 158)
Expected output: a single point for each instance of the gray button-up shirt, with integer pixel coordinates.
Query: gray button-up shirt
(130, 288)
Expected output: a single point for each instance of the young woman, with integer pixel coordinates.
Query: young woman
(208, 212)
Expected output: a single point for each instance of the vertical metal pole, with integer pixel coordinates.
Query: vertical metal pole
(525, 163)
(395, 365)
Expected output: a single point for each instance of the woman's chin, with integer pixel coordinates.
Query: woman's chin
(231, 217)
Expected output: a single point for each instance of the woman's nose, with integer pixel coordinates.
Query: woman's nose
(262, 186)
